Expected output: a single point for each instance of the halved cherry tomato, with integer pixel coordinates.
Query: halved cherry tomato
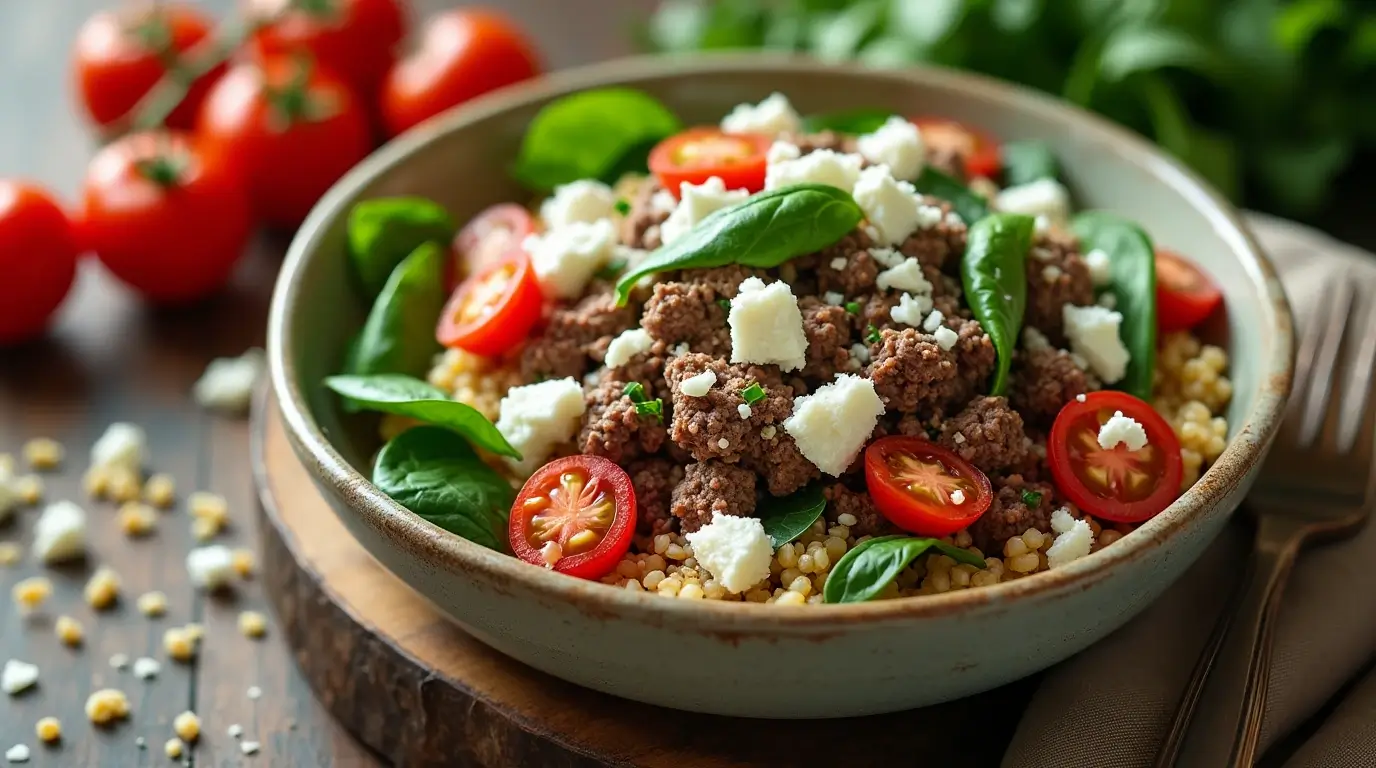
(977, 148)
(492, 234)
(494, 310)
(575, 515)
(1185, 296)
(698, 154)
(924, 488)
(1116, 484)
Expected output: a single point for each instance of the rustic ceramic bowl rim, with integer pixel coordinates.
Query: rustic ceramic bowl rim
(448, 552)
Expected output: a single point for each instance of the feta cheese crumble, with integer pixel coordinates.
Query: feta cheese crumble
(19, 753)
(860, 352)
(957, 496)
(18, 676)
(838, 263)
(832, 297)
(772, 116)
(123, 446)
(832, 424)
(767, 326)
(60, 533)
(911, 310)
(227, 384)
(933, 321)
(735, 550)
(583, 201)
(821, 166)
(887, 258)
(1074, 539)
(699, 385)
(897, 144)
(565, 259)
(146, 668)
(1093, 334)
(1122, 430)
(210, 568)
(628, 345)
(1044, 197)
(946, 338)
(780, 151)
(1100, 270)
(907, 276)
(744, 410)
(891, 206)
(536, 417)
(696, 201)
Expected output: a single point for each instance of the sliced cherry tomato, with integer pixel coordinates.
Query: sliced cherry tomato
(120, 55)
(698, 154)
(978, 149)
(38, 253)
(1116, 484)
(488, 237)
(575, 515)
(165, 214)
(493, 311)
(355, 39)
(1185, 296)
(294, 127)
(463, 54)
(924, 488)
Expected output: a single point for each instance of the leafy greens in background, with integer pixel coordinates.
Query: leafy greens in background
(1268, 99)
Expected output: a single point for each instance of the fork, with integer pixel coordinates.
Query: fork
(1314, 486)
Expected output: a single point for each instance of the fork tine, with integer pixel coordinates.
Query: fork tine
(1357, 424)
(1321, 371)
(1312, 325)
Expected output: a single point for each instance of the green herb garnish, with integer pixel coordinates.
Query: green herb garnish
(872, 335)
(623, 206)
(994, 275)
(1031, 498)
(1132, 265)
(864, 572)
(753, 393)
(853, 307)
(409, 396)
(636, 391)
(725, 304)
(653, 408)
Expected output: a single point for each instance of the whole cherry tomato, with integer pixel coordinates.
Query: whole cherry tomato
(293, 128)
(463, 54)
(355, 39)
(120, 55)
(165, 215)
(575, 515)
(698, 154)
(38, 253)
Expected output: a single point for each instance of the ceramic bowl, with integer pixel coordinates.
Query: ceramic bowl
(744, 659)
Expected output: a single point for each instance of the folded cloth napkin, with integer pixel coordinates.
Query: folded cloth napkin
(1111, 706)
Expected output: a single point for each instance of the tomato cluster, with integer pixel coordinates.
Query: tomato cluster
(211, 134)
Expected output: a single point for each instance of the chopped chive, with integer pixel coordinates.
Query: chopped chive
(1031, 498)
(853, 307)
(623, 207)
(753, 393)
(612, 270)
(724, 304)
(872, 335)
(636, 391)
(653, 408)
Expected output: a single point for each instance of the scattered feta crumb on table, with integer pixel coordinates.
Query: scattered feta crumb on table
(210, 568)
(255, 693)
(60, 533)
(19, 753)
(235, 731)
(119, 661)
(249, 747)
(227, 383)
(18, 676)
(146, 668)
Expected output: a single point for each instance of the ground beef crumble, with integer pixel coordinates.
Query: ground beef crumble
(613, 429)
(711, 487)
(640, 227)
(1017, 505)
(857, 276)
(1056, 276)
(711, 427)
(911, 371)
(576, 337)
(828, 331)
(869, 522)
(1043, 381)
(988, 434)
(654, 481)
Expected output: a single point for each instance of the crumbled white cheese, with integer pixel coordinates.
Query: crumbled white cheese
(744, 410)
(838, 263)
(1073, 539)
(907, 276)
(958, 439)
(1041, 224)
(832, 424)
(1061, 521)
(119, 661)
(121, 447)
(210, 567)
(628, 345)
(696, 201)
(928, 216)
(254, 692)
(1044, 197)
(1100, 270)
(735, 550)
(1093, 334)
(891, 206)
(1125, 430)
(957, 497)
(911, 310)
(227, 383)
(249, 747)
(662, 201)
(536, 417)
(146, 668)
(1107, 300)
(60, 533)
(1080, 398)
(767, 326)
(585, 201)
(1041, 254)
(780, 151)
(1051, 273)
(235, 730)
(953, 219)
(833, 298)
(18, 676)
(680, 349)
(698, 385)
(897, 144)
(946, 338)
(860, 352)
(933, 321)
(821, 166)
(772, 116)
(19, 753)
(565, 259)
(886, 257)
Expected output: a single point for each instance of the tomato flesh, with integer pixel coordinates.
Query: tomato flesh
(575, 515)
(492, 234)
(1185, 296)
(978, 149)
(698, 154)
(923, 488)
(1117, 484)
(491, 312)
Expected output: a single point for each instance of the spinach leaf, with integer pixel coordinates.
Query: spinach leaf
(1027, 161)
(589, 135)
(408, 396)
(994, 273)
(853, 121)
(435, 474)
(786, 518)
(384, 231)
(399, 334)
(864, 572)
(764, 230)
(1132, 262)
(967, 204)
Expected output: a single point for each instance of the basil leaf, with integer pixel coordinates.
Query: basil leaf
(384, 231)
(864, 572)
(764, 230)
(994, 274)
(435, 474)
(589, 134)
(408, 396)
(399, 334)
(1132, 262)
(1027, 161)
(854, 121)
(968, 205)
(788, 517)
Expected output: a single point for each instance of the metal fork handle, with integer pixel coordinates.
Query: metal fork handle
(1220, 716)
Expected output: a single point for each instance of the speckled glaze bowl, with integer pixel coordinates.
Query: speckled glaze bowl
(733, 658)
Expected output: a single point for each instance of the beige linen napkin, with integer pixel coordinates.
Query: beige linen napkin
(1110, 706)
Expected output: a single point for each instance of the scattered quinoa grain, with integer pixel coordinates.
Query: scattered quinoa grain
(179, 644)
(32, 592)
(253, 624)
(30, 489)
(69, 631)
(124, 485)
(48, 729)
(204, 504)
(43, 453)
(10, 553)
(194, 631)
(96, 482)
(160, 491)
(102, 590)
(245, 563)
(187, 726)
(152, 604)
(137, 519)
(106, 706)
(173, 748)
(205, 528)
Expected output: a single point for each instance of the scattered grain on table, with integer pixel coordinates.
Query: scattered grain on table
(106, 706)
(43, 453)
(69, 631)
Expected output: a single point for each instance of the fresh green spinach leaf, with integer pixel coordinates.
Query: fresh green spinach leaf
(785, 518)
(399, 334)
(968, 205)
(1027, 161)
(435, 473)
(385, 230)
(994, 274)
(1146, 48)
(1132, 263)
(864, 572)
(589, 135)
(764, 230)
(408, 396)
(854, 121)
